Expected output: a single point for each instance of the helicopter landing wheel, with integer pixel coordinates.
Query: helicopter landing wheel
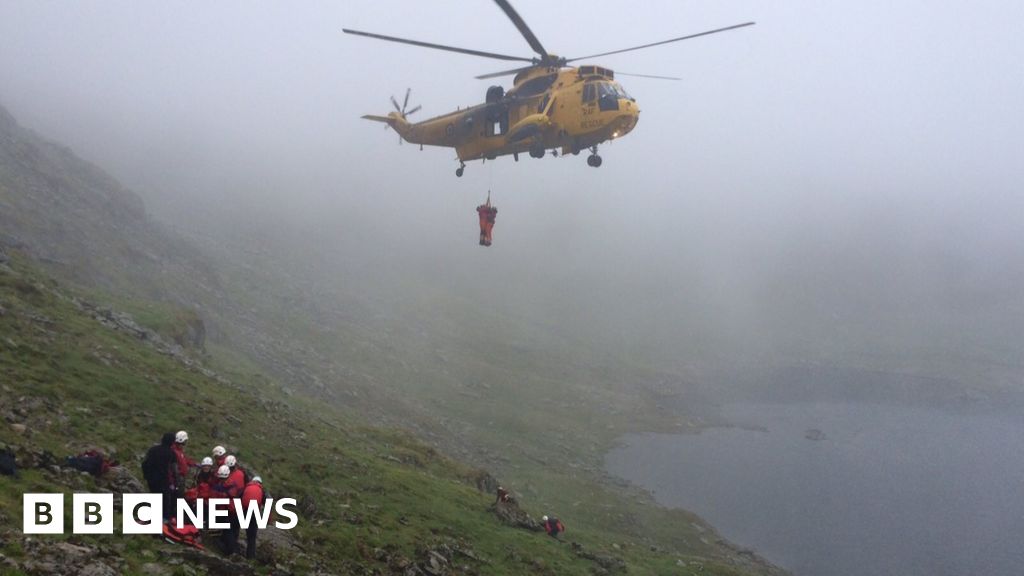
(460, 170)
(593, 160)
(537, 151)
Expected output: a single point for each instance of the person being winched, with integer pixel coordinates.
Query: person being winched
(487, 214)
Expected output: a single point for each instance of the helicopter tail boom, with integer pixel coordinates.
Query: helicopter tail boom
(398, 123)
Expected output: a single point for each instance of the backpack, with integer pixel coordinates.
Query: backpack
(90, 461)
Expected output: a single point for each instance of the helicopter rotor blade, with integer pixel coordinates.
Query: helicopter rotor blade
(438, 46)
(520, 24)
(617, 73)
(397, 107)
(503, 73)
(664, 41)
(414, 110)
(406, 102)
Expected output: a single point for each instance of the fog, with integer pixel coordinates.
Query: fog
(839, 182)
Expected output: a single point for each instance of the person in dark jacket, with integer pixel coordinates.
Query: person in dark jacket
(158, 468)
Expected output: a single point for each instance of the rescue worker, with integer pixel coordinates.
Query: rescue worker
(553, 526)
(205, 479)
(233, 487)
(185, 463)
(158, 468)
(218, 456)
(487, 214)
(503, 496)
(237, 472)
(229, 491)
(255, 496)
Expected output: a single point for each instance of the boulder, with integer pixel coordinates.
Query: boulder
(509, 513)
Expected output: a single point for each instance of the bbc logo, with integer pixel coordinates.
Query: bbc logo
(143, 513)
(92, 514)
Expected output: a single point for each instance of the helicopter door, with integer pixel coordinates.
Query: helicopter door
(497, 122)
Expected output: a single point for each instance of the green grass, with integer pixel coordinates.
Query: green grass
(372, 488)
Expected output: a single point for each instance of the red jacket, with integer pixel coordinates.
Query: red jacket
(204, 491)
(184, 462)
(217, 490)
(253, 493)
(203, 483)
(234, 484)
(554, 526)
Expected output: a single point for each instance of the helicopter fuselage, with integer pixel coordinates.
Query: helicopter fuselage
(568, 109)
(551, 105)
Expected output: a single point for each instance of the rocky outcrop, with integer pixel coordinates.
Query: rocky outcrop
(510, 514)
(484, 481)
(123, 322)
(606, 563)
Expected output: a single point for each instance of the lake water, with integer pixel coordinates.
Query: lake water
(884, 490)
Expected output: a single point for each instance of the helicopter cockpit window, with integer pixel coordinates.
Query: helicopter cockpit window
(607, 89)
(607, 96)
(589, 93)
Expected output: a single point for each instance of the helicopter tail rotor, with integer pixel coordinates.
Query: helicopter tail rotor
(403, 110)
(396, 120)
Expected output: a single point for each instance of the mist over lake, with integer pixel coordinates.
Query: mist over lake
(838, 489)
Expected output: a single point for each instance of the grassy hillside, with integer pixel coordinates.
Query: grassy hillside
(302, 364)
(373, 501)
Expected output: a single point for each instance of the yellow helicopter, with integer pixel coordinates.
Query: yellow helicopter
(550, 106)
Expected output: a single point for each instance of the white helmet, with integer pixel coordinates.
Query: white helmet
(257, 479)
(207, 461)
(231, 461)
(223, 471)
(218, 451)
(543, 518)
(181, 437)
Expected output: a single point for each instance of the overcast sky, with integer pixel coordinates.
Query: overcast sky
(834, 152)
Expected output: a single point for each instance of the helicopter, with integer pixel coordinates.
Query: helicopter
(551, 105)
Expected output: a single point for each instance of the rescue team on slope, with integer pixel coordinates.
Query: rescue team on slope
(553, 526)
(168, 470)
